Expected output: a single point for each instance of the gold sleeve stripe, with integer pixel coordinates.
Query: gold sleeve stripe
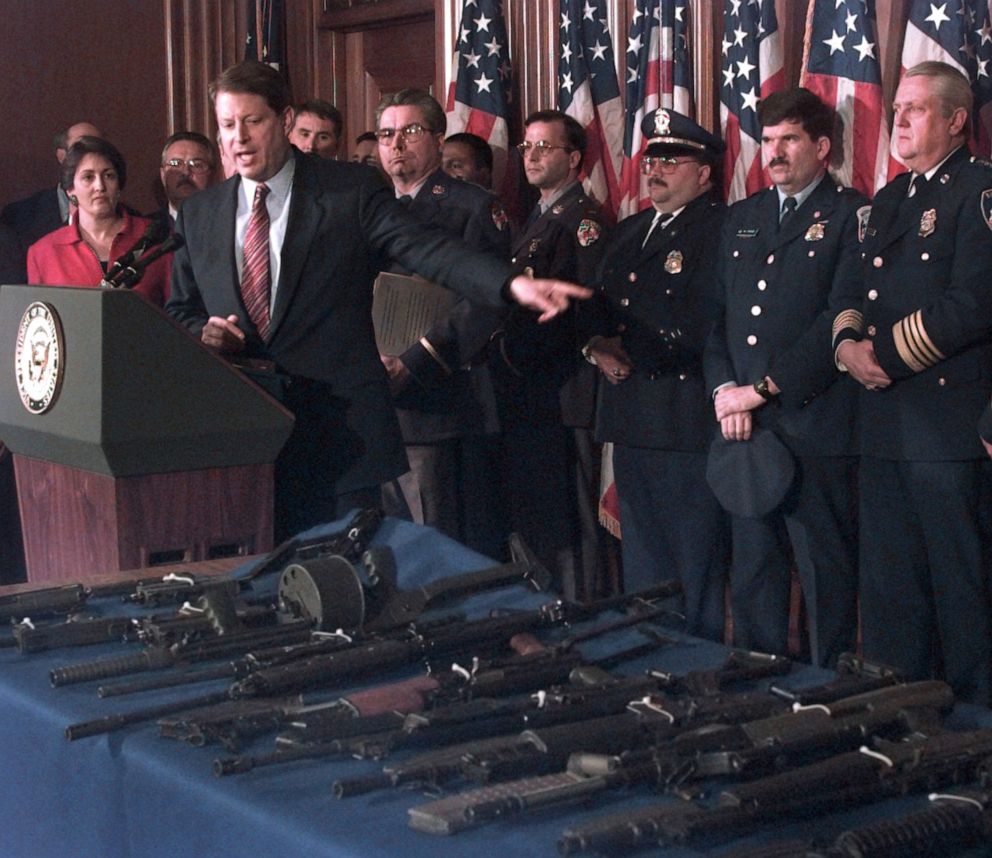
(848, 319)
(433, 353)
(914, 344)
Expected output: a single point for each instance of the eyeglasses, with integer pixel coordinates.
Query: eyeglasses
(409, 132)
(196, 165)
(542, 147)
(665, 164)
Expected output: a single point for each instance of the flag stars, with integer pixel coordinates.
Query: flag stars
(938, 15)
(749, 100)
(985, 34)
(494, 47)
(484, 83)
(472, 59)
(566, 22)
(587, 11)
(851, 22)
(744, 68)
(739, 36)
(631, 75)
(482, 23)
(982, 71)
(865, 49)
(566, 83)
(634, 45)
(835, 42)
(736, 10)
(728, 77)
(599, 51)
(566, 52)
(679, 11)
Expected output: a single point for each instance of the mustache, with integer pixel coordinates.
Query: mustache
(781, 160)
(654, 180)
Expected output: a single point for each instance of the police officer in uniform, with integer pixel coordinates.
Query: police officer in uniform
(546, 390)
(659, 277)
(918, 341)
(789, 255)
(445, 401)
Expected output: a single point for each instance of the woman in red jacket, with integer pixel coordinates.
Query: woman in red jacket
(93, 175)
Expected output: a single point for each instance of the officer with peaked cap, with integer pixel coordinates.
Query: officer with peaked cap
(787, 255)
(659, 285)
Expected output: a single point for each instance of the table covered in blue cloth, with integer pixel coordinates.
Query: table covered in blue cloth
(134, 794)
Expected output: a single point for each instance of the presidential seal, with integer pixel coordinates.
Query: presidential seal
(38, 357)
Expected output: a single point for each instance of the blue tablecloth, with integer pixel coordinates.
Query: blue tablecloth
(133, 794)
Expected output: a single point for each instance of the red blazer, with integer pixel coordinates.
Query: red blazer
(62, 258)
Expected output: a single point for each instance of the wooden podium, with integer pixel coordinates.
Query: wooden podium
(133, 444)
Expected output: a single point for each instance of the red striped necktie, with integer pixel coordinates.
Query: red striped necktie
(255, 272)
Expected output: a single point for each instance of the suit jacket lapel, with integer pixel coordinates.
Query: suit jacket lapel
(220, 233)
(306, 210)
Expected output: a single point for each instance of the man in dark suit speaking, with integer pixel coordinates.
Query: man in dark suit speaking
(278, 265)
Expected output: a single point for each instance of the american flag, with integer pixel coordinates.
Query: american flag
(957, 32)
(588, 92)
(840, 64)
(659, 74)
(479, 94)
(265, 41)
(752, 70)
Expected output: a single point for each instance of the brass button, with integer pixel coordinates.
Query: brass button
(925, 256)
(661, 331)
(762, 285)
(624, 302)
(771, 258)
(871, 330)
(752, 340)
(872, 294)
(669, 292)
(756, 310)
(877, 262)
(682, 376)
(736, 254)
(941, 381)
(514, 259)
(632, 277)
(811, 254)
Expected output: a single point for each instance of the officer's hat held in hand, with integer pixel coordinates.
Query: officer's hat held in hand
(750, 478)
(668, 132)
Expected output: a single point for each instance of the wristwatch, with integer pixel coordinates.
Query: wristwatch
(761, 388)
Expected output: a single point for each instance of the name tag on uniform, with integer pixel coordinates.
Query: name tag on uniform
(747, 233)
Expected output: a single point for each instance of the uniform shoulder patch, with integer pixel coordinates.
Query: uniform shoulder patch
(864, 213)
(986, 203)
(588, 231)
(499, 215)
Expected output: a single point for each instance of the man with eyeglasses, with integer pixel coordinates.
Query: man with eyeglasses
(444, 396)
(546, 391)
(187, 167)
(659, 285)
(789, 257)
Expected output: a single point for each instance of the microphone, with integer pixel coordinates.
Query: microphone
(155, 233)
(129, 277)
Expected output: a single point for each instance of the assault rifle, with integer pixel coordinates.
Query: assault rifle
(214, 593)
(397, 716)
(716, 749)
(888, 769)
(357, 663)
(327, 593)
(953, 822)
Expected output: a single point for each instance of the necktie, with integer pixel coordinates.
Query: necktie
(788, 209)
(405, 200)
(916, 184)
(255, 272)
(660, 221)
